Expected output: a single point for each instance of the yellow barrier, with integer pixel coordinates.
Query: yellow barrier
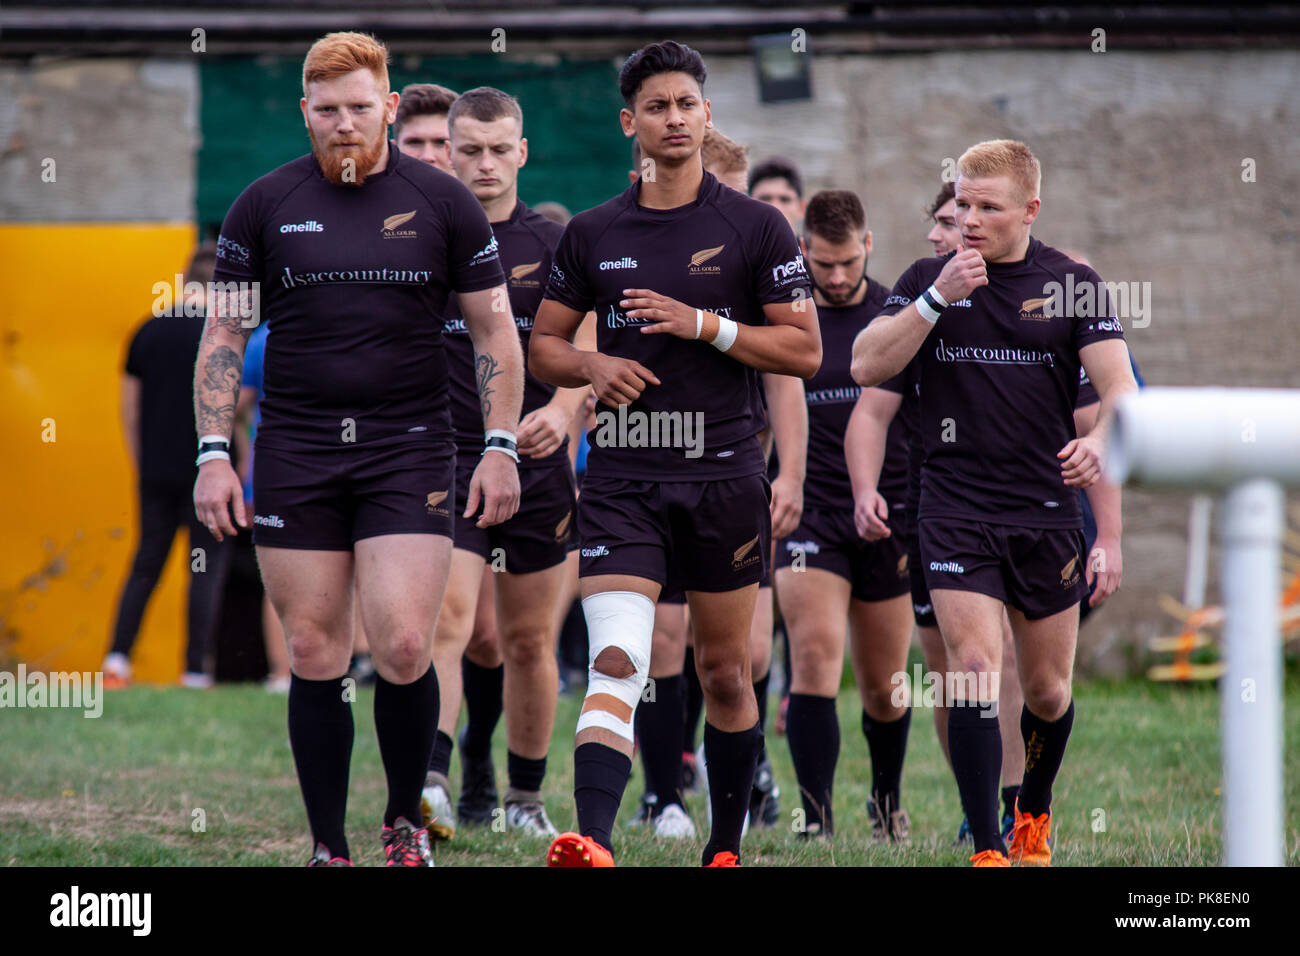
(71, 297)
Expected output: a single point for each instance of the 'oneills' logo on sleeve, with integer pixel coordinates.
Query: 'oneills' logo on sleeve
(698, 260)
(391, 224)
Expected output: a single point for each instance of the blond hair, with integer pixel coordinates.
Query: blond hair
(1003, 157)
(338, 54)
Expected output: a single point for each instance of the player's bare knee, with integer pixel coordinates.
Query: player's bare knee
(527, 647)
(402, 655)
(1047, 697)
(613, 662)
(723, 683)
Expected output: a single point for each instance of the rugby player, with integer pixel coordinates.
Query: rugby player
(868, 425)
(354, 249)
(777, 181)
(826, 571)
(421, 125)
(529, 550)
(727, 161)
(998, 520)
(698, 288)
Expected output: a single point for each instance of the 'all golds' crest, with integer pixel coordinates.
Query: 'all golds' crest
(391, 231)
(434, 499)
(738, 557)
(1070, 573)
(518, 273)
(698, 260)
(562, 527)
(1031, 310)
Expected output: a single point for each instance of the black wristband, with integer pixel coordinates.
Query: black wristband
(932, 302)
(214, 446)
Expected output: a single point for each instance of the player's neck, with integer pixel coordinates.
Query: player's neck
(503, 207)
(672, 186)
(381, 163)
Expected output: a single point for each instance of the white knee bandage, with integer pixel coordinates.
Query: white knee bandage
(624, 620)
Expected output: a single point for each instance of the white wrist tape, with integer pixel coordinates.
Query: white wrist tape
(927, 313)
(933, 290)
(699, 322)
(211, 456)
(727, 332)
(499, 433)
(505, 451)
(625, 620)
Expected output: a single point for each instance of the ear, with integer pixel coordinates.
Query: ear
(625, 119)
(632, 176)
(523, 152)
(708, 115)
(302, 104)
(390, 107)
(867, 242)
(1031, 210)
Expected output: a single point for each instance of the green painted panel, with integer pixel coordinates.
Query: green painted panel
(251, 123)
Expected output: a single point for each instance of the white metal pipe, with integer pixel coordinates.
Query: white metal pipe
(1251, 700)
(1198, 552)
(1205, 437)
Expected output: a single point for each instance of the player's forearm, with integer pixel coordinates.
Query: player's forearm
(788, 410)
(1104, 497)
(864, 449)
(567, 401)
(499, 377)
(554, 360)
(1106, 413)
(217, 375)
(784, 349)
(884, 347)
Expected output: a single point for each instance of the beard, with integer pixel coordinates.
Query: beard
(842, 298)
(335, 161)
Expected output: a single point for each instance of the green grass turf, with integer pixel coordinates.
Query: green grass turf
(123, 789)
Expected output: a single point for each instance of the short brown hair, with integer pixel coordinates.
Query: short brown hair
(338, 54)
(485, 104)
(722, 153)
(422, 99)
(1003, 157)
(203, 263)
(835, 215)
(946, 192)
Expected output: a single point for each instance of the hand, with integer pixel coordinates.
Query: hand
(617, 381)
(671, 316)
(961, 274)
(1081, 465)
(870, 512)
(496, 483)
(215, 492)
(1106, 564)
(541, 432)
(787, 505)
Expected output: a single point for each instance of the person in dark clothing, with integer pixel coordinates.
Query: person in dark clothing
(158, 417)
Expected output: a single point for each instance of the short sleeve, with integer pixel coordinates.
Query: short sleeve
(135, 352)
(779, 271)
(473, 260)
(567, 283)
(239, 246)
(1093, 310)
(907, 288)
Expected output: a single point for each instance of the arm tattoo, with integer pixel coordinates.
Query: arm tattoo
(232, 310)
(486, 368)
(216, 390)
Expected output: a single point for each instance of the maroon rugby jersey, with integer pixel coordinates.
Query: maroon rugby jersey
(355, 279)
(526, 242)
(999, 382)
(724, 253)
(831, 395)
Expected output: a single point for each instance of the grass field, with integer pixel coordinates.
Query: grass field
(124, 789)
